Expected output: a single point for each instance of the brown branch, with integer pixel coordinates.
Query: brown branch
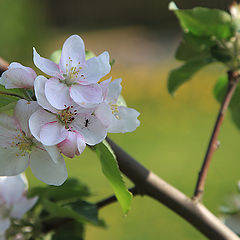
(3, 66)
(233, 78)
(151, 185)
(112, 199)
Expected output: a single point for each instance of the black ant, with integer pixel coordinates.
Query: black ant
(86, 122)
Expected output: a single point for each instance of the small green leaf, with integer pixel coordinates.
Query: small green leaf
(71, 230)
(184, 73)
(121, 101)
(56, 210)
(219, 92)
(111, 171)
(192, 47)
(70, 190)
(7, 102)
(221, 54)
(205, 22)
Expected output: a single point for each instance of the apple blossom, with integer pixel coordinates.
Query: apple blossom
(18, 76)
(74, 78)
(18, 148)
(13, 201)
(73, 125)
(115, 117)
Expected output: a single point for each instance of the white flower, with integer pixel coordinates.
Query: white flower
(74, 78)
(18, 148)
(13, 201)
(115, 117)
(71, 127)
(235, 10)
(18, 76)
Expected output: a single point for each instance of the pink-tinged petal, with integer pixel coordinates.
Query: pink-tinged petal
(86, 96)
(74, 50)
(39, 87)
(105, 87)
(73, 145)
(96, 68)
(4, 225)
(38, 120)
(114, 90)
(90, 127)
(19, 65)
(57, 94)
(46, 170)
(46, 66)
(104, 113)
(53, 151)
(12, 189)
(52, 133)
(12, 162)
(22, 113)
(125, 121)
(17, 78)
(22, 206)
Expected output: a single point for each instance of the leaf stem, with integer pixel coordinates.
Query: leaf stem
(112, 199)
(233, 78)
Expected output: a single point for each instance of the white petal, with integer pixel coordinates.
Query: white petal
(74, 49)
(57, 93)
(17, 78)
(105, 87)
(90, 127)
(39, 87)
(7, 122)
(52, 133)
(104, 113)
(126, 121)
(12, 189)
(4, 225)
(96, 68)
(45, 169)
(38, 119)
(73, 145)
(86, 95)
(53, 152)
(22, 206)
(11, 161)
(23, 111)
(47, 66)
(114, 90)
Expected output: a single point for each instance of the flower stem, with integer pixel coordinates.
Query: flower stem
(233, 78)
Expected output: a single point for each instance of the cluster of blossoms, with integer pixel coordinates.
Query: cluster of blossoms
(73, 107)
(13, 201)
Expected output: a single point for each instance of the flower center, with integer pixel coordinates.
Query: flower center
(66, 116)
(72, 73)
(23, 143)
(114, 108)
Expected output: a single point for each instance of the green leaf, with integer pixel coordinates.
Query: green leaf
(221, 54)
(86, 209)
(7, 102)
(111, 171)
(219, 92)
(71, 230)
(205, 22)
(83, 214)
(192, 47)
(70, 190)
(184, 73)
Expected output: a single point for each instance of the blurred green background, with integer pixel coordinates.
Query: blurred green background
(172, 139)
